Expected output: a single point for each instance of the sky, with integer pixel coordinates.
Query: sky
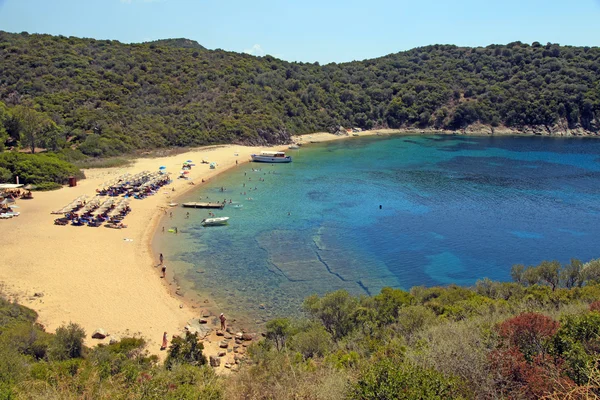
(312, 30)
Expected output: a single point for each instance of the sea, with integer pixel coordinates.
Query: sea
(369, 212)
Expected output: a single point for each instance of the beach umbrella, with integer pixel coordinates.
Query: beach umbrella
(186, 172)
(162, 167)
(189, 161)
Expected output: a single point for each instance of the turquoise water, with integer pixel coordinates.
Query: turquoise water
(453, 210)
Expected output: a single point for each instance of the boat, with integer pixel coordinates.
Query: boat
(203, 205)
(215, 221)
(271, 157)
(173, 204)
(293, 147)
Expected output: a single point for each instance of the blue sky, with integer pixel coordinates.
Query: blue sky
(312, 30)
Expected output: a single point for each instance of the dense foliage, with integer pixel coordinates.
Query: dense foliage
(40, 169)
(107, 97)
(495, 340)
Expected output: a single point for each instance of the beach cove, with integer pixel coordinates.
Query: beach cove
(397, 211)
(95, 277)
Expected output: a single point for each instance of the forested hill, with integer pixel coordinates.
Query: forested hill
(107, 97)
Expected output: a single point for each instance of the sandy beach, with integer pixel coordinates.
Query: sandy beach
(94, 276)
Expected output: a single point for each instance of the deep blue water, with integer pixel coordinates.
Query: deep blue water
(453, 210)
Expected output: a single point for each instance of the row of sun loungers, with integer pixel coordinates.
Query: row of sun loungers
(111, 211)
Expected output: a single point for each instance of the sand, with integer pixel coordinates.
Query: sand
(93, 276)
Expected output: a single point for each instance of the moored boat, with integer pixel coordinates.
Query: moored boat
(272, 157)
(215, 221)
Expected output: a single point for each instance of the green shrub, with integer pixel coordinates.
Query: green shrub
(67, 342)
(390, 379)
(39, 168)
(185, 351)
(47, 186)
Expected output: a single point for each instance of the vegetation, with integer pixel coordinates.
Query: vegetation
(106, 98)
(496, 340)
(47, 171)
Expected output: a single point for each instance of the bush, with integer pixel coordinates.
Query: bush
(47, 186)
(390, 379)
(185, 351)
(68, 342)
(38, 168)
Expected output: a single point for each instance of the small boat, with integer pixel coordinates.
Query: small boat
(293, 147)
(271, 157)
(215, 221)
(203, 205)
(173, 204)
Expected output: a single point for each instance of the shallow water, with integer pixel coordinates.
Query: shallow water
(453, 210)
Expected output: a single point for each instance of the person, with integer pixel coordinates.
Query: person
(223, 319)
(163, 230)
(161, 258)
(164, 342)
(187, 215)
(176, 230)
(236, 163)
(164, 271)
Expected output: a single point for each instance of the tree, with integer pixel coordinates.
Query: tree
(278, 330)
(68, 342)
(571, 274)
(335, 310)
(516, 272)
(185, 351)
(35, 127)
(549, 272)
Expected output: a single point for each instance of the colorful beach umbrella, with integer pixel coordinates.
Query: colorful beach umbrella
(190, 161)
(186, 172)
(162, 167)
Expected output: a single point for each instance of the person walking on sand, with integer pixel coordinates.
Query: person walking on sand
(223, 319)
(164, 271)
(164, 342)
(160, 259)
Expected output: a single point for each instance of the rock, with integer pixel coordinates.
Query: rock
(239, 335)
(214, 361)
(113, 340)
(247, 336)
(224, 344)
(227, 365)
(262, 306)
(206, 314)
(238, 341)
(181, 306)
(38, 294)
(99, 334)
(229, 330)
(206, 301)
(203, 321)
(220, 333)
(222, 353)
(228, 336)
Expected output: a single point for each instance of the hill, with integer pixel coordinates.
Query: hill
(107, 97)
(181, 43)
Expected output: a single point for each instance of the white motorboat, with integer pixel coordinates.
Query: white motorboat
(293, 146)
(215, 221)
(271, 157)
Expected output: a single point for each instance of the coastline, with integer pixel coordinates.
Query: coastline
(94, 277)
